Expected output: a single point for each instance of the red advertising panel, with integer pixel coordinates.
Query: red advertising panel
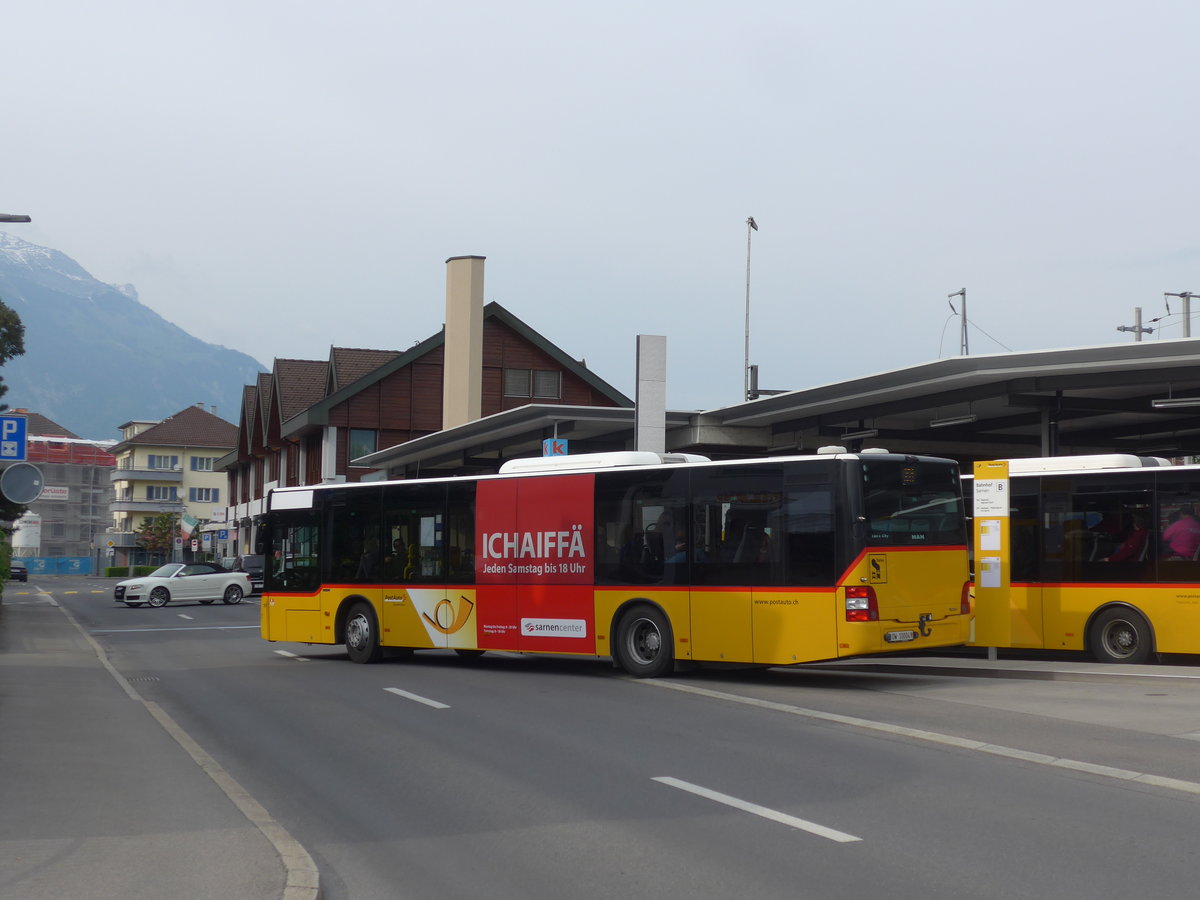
(536, 535)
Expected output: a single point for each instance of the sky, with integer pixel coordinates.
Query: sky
(280, 177)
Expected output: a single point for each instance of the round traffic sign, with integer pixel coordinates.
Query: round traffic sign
(21, 482)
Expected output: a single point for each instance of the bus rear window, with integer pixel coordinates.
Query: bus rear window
(910, 502)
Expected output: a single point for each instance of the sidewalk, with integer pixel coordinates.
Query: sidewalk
(1013, 664)
(101, 795)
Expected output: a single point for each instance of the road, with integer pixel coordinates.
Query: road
(512, 777)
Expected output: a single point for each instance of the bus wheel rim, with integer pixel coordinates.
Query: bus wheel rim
(358, 631)
(645, 641)
(1120, 638)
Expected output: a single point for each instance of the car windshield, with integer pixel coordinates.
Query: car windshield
(165, 571)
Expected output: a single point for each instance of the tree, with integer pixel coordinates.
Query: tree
(157, 535)
(12, 345)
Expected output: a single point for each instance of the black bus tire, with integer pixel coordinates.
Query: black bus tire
(644, 646)
(362, 634)
(1120, 635)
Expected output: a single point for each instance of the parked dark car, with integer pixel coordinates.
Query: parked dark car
(251, 564)
(20, 573)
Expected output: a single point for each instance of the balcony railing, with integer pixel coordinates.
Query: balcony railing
(131, 474)
(146, 506)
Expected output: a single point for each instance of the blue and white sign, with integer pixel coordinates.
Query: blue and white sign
(12, 438)
(554, 447)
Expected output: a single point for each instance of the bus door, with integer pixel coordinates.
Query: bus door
(795, 606)
(417, 608)
(292, 567)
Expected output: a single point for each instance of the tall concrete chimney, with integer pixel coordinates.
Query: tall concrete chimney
(462, 371)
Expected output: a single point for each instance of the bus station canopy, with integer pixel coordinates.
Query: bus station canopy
(1141, 398)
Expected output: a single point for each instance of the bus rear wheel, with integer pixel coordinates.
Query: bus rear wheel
(644, 643)
(362, 635)
(1120, 636)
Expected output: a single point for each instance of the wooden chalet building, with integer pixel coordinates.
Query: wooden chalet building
(307, 420)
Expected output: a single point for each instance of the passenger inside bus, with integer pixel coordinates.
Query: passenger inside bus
(1182, 536)
(1133, 547)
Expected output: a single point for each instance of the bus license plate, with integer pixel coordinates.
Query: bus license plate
(899, 637)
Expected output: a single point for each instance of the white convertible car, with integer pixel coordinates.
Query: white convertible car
(204, 582)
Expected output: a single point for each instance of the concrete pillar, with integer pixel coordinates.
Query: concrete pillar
(650, 415)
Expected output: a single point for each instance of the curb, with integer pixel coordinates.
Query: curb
(302, 879)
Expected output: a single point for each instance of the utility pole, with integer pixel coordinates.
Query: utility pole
(962, 340)
(1186, 297)
(1136, 327)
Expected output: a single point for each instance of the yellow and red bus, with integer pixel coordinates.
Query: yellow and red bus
(1098, 563)
(632, 556)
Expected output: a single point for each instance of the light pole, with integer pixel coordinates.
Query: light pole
(1186, 297)
(751, 226)
(962, 340)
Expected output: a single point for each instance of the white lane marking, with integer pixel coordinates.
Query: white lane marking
(1175, 784)
(180, 628)
(773, 814)
(417, 697)
(182, 616)
(291, 655)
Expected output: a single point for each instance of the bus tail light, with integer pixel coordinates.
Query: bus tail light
(861, 604)
(964, 605)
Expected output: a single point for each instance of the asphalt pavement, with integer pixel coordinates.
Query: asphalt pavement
(102, 795)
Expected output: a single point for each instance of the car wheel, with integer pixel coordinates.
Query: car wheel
(362, 635)
(233, 594)
(644, 646)
(132, 605)
(160, 596)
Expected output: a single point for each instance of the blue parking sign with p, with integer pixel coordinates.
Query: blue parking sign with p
(12, 438)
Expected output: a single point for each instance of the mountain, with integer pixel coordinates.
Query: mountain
(96, 357)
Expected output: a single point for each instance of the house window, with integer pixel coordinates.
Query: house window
(204, 495)
(547, 384)
(362, 442)
(159, 492)
(203, 463)
(541, 383)
(154, 461)
(516, 382)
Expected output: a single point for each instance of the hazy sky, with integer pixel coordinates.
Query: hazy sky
(278, 177)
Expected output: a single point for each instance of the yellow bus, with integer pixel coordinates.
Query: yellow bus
(650, 560)
(1105, 556)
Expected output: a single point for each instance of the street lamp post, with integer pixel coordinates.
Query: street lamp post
(751, 226)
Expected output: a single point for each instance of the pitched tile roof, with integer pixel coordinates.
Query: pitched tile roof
(190, 427)
(348, 364)
(299, 383)
(38, 425)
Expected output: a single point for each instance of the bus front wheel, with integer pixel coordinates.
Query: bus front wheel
(362, 634)
(644, 643)
(1120, 636)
